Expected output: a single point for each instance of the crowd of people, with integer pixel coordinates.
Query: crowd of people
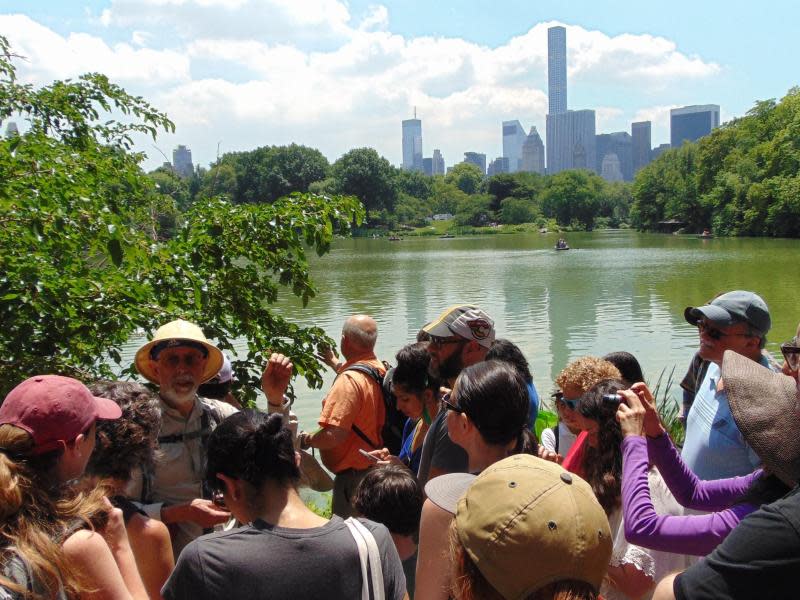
(441, 487)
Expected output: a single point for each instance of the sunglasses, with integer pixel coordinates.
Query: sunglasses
(441, 341)
(449, 405)
(717, 334)
(559, 398)
(791, 353)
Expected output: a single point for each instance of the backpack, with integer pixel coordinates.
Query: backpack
(392, 431)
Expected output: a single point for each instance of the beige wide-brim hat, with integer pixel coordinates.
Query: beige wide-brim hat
(178, 330)
(763, 405)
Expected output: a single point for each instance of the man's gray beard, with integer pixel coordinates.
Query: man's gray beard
(174, 400)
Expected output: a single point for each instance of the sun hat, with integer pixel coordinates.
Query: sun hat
(54, 409)
(763, 405)
(174, 334)
(734, 307)
(466, 321)
(521, 507)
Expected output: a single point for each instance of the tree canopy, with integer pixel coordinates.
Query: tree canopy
(85, 262)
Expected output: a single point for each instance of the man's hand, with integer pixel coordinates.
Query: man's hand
(630, 414)
(275, 378)
(329, 357)
(203, 512)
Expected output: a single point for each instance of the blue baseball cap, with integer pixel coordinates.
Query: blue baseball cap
(730, 308)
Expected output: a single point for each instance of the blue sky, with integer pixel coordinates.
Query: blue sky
(336, 75)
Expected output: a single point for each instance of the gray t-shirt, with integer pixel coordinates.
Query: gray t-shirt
(262, 561)
(440, 452)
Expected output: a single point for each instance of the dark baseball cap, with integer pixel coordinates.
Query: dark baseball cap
(730, 308)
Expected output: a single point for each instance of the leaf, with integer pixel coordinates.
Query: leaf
(115, 251)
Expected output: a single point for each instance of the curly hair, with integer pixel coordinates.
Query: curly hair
(130, 441)
(586, 371)
(603, 462)
(36, 513)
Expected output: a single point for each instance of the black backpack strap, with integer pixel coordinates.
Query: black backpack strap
(556, 432)
(378, 378)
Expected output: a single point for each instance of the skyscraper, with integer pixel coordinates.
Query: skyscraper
(11, 129)
(438, 163)
(513, 139)
(497, 166)
(692, 122)
(477, 159)
(533, 153)
(557, 69)
(427, 166)
(571, 141)
(619, 145)
(182, 161)
(412, 144)
(640, 145)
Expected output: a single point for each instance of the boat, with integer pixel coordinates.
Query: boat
(564, 247)
(446, 236)
(395, 238)
(706, 235)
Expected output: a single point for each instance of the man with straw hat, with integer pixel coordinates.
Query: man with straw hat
(178, 359)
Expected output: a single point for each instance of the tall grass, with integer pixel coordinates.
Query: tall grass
(668, 408)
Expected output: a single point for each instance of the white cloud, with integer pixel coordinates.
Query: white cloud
(254, 73)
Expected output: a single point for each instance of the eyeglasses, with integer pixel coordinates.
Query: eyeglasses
(449, 405)
(791, 353)
(559, 398)
(441, 341)
(717, 334)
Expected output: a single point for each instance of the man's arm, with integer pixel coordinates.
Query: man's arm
(326, 438)
(203, 512)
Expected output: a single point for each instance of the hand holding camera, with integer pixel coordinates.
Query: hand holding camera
(637, 414)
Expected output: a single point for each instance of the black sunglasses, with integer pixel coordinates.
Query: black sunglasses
(717, 334)
(791, 353)
(442, 341)
(559, 398)
(449, 405)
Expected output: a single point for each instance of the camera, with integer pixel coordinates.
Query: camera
(612, 398)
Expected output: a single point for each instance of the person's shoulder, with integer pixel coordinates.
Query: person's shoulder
(220, 408)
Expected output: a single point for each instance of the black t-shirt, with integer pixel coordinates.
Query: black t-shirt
(759, 559)
(440, 452)
(262, 561)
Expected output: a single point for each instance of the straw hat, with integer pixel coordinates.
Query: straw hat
(763, 404)
(174, 333)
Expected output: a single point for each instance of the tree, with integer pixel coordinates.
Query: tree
(414, 184)
(466, 177)
(365, 174)
(514, 211)
(474, 210)
(572, 198)
(80, 270)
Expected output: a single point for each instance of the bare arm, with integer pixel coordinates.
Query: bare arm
(326, 438)
(433, 570)
(200, 511)
(630, 580)
(152, 549)
(664, 591)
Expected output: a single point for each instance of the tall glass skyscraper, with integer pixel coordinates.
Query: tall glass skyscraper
(692, 122)
(641, 140)
(182, 161)
(513, 139)
(412, 144)
(557, 69)
(533, 153)
(571, 141)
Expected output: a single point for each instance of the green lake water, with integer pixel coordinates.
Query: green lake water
(614, 290)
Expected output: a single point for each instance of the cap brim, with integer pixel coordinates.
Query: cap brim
(715, 314)
(106, 409)
(144, 364)
(438, 329)
(446, 490)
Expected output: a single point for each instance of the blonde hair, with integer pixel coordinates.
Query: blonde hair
(37, 514)
(468, 583)
(585, 372)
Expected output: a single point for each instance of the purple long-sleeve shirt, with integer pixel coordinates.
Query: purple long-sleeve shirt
(690, 534)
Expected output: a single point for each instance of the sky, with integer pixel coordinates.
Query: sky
(334, 75)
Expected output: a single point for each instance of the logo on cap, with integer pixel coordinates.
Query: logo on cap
(480, 328)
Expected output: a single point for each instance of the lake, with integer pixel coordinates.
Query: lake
(614, 290)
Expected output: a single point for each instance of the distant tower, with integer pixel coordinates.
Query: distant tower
(571, 141)
(182, 161)
(610, 168)
(438, 163)
(513, 139)
(692, 122)
(641, 145)
(557, 69)
(533, 153)
(477, 159)
(11, 129)
(412, 144)
(619, 145)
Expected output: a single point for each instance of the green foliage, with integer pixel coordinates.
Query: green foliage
(474, 210)
(368, 176)
(741, 180)
(414, 184)
(411, 211)
(82, 267)
(667, 407)
(572, 198)
(466, 177)
(514, 211)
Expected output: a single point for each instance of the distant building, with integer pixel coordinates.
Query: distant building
(513, 139)
(658, 151)
(11, 129)
(533, 153)
(610, 168)
(427, 166)
(557, 70)
(497, 166)
(692, 122)
(438, 163)
(571, 141)
(618, 144)
(182, 161)
(641, 145)
(442, 217)
(477, 159)
(412, 144)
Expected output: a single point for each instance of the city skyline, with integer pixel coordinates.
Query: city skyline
(336, 76)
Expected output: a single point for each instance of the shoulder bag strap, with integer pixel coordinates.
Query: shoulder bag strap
(362, 556)
(376, 570)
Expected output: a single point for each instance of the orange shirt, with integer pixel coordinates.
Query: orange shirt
(354, 399)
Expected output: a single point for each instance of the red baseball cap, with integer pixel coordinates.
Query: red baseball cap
(54, 409)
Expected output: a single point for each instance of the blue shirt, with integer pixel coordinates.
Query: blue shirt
(533, 397)
(714, 446)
